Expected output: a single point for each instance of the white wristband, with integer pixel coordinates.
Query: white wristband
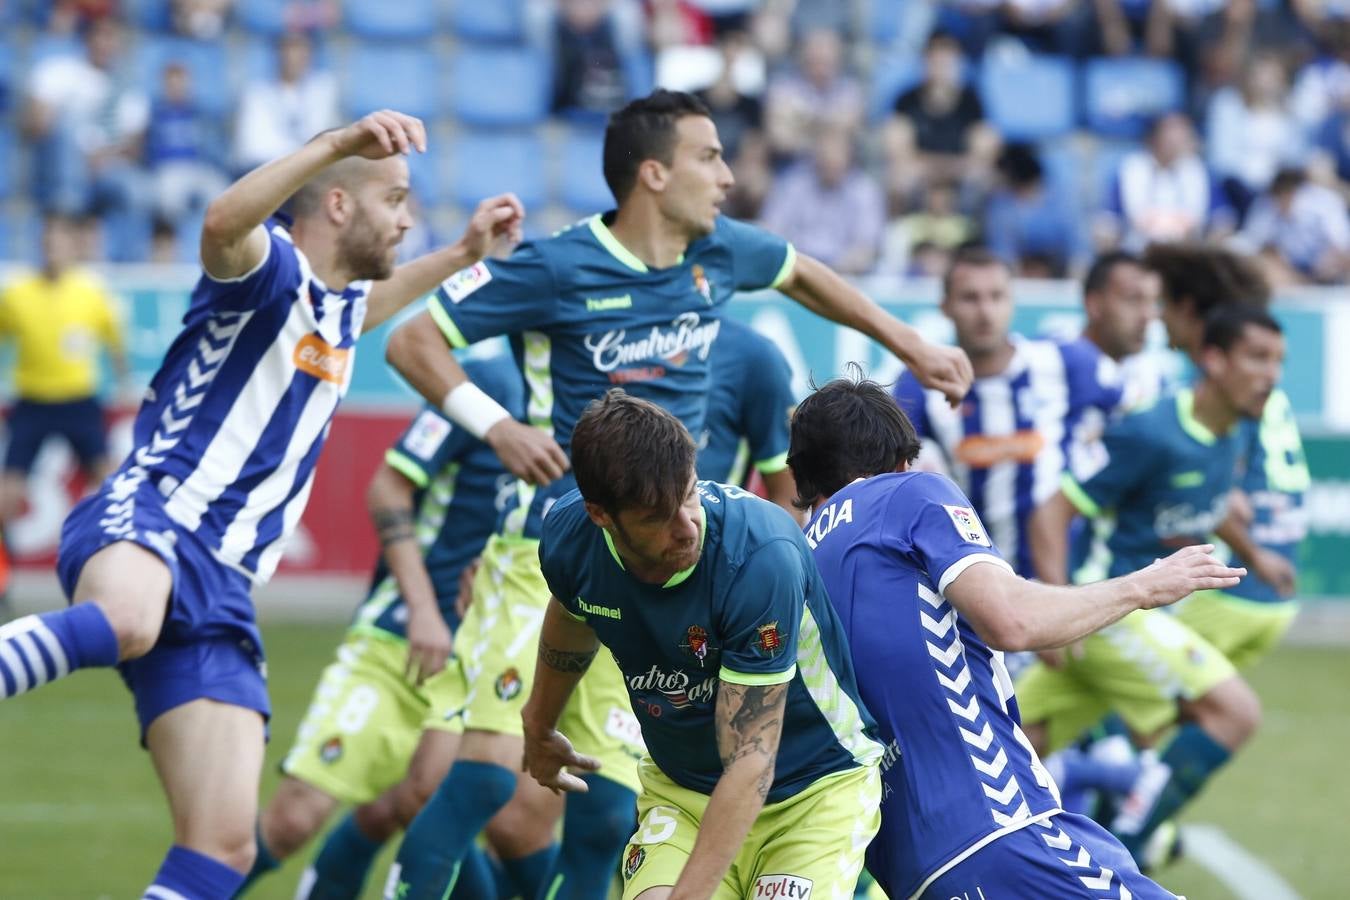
(467, 406)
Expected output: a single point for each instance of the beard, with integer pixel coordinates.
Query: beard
(363, 252)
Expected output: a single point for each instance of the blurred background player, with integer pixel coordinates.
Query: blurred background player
(631, 297)
(922, 591)
(375, 735)
(749, 404)
(160, 562)
(1008, 442)
(762, 779)
(59, 320)
(1165, 484)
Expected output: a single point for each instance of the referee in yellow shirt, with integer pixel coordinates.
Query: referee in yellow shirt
(57, 319)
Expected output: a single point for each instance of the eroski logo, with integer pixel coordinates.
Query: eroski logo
(687, 334)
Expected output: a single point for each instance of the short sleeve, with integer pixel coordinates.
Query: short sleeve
(766, 407)
(429, 444)
(495, 297)
(276, 277)
(1128, 462)
(762, 617)
(760, 259)
(912, 399)
(943, 530)
(553, 538)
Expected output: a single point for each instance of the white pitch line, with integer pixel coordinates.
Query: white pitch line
(1241, 872)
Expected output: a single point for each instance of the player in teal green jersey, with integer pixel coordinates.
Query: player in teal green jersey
(762, 778)
(633, 297)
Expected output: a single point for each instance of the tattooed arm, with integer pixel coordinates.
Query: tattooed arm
(566, 648)
(749, 724)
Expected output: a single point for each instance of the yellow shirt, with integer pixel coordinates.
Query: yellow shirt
(57, 328)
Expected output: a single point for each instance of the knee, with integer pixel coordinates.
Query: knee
(136, 625)
(287, 827)
(1231, 712)
(234, 848)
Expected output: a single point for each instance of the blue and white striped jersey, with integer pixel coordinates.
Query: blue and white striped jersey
(1015, 433)
(233, 422)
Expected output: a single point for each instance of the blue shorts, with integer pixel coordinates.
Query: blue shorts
(80, 422)
(1068, 856)
(209, 646)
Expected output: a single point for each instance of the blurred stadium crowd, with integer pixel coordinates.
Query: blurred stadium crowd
(877, 136)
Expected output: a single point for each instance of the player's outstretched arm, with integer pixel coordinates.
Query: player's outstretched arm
(1267, 565)
(749, 726)
(495, 218)
(1013, 614)
(566, 648)
(233, 241)
(821, 290)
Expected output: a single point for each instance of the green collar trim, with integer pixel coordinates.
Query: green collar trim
(1189, 423)
(616, 249)
(679, 577)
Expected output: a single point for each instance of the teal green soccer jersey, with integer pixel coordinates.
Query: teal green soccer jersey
(1164, 486)
(585, 315)
(752, 610)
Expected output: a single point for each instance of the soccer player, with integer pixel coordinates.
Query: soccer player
(927, 602)
(631, 298)
(58, 320)
(159, 563)
(750, 402)
(1007, 444)
(381, 704)
(1165, 484)
(1120, 301)
(763, 774)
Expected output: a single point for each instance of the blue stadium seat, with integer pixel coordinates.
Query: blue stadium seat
(883, 21)
(381, 19)
(261, 16)
(427, 171)
(6, 163)
(499, 21)
(583, 189)
(400, 76)
(499, 86)
(1066, 166)
(206, 61)
(1028, 98)
(9, 88)
(151, 15)
(892, 76)
(260, 61)
(1122, 95)
(1105, 163)
(481, 165)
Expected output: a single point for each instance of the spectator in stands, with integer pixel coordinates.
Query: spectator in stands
(86, 122)
(938, 130)
(1163, 193)
(939, 223)
(1322, 88)
(753, 170)
(828, 207)
(1028, 223)
(164, 249)
(71, 16)
(593, 44)
(275, 117)
(1301, 230)
(735, 114)
(1050, 26)
(1331, 160)
(1252, 132)
(180, 145)
(1210, 38)
(203, 20)
(818, 95)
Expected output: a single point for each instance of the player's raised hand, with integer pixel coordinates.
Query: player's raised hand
(381, 134)
(429, 643)
(1188, 570)
(548, 756)
(496, 218)
(945, 369)
(528, 453)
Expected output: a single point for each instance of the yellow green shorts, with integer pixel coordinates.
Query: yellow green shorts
(366, 718)
(497, 644)
(1243, 630)
(1140, 667)
(809, 845)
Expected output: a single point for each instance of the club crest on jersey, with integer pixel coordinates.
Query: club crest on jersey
(767, 639)
(466, 281)
(508, 684)
(696, 643)
(331, 751)
(968, 525)
(701, 284)
(633, 861)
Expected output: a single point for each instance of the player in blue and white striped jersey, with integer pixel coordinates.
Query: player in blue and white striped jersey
(159, 562)
(1008, 442)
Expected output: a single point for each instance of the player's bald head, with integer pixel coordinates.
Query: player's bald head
(348, 174)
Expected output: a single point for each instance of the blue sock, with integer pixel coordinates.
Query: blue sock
(263, 863)
(441, 835)
(530, 874)
(187, 873)
(596, 826)
(1191, 759)
(340, 867)
(477, 880)
(37, 649)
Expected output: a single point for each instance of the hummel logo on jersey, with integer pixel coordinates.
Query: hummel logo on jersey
(594, 609)
(604, 303)
(314, 356)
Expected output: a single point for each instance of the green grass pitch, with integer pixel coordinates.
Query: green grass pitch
(81, 816)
